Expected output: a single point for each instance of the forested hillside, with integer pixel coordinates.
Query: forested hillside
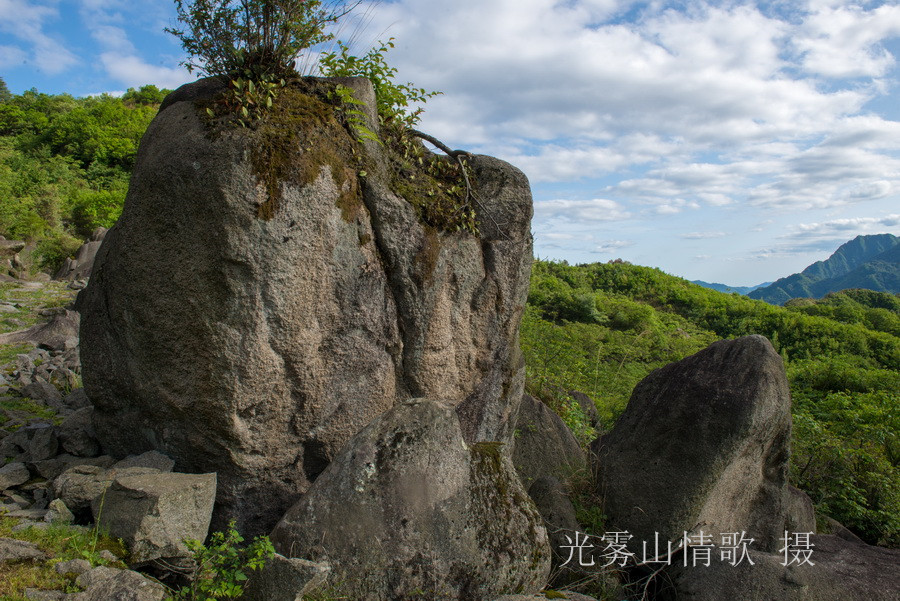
(65, 164)
(601, 328)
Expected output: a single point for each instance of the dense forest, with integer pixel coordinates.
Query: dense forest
(65, 164)
(599, 328)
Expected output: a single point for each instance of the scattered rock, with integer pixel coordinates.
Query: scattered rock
(154, 513)
(43, 391)
(95, 576)
(450, 520)
(79, 485)
(151, 459)
(73, 566)
(77, 399)
(58, 334)
(12, 551)
(76, 434)
(13, 474)
(58, 513)
(42, 443)
(703, 444)
(285, 579)
(122, 585)
(80, 267)
(544, 445)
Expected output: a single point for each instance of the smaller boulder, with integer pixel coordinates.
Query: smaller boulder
(79, 485)
(76, 434)
(12, 551)
(73, 566)
(285, 579)
(13, 474)
(544, 445)
(150, 459)
(154, 513)
(108, 584)
(800, 515)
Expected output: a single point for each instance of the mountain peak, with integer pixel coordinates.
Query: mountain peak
(864, 262)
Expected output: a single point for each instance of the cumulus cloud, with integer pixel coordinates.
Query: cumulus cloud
(132, 71)
(578, 211)
(734, 103)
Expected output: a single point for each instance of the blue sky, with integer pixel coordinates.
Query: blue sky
(735, 142)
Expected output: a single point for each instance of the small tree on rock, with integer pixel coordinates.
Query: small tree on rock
(259, 39)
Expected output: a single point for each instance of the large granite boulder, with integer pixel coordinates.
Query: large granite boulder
(703, 445)
(408, 510)
(249, 324)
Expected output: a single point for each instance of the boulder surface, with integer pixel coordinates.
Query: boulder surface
(703, 445)
(250, 325)
(408, 510)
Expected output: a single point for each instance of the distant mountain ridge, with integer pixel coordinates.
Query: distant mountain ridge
(729, 289)
(870, 262)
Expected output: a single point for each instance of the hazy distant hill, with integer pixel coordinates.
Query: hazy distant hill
(871, 262)
(729, 289)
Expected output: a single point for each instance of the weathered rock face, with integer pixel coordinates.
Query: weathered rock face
(155, 513)
(840, 570)
(254, 347)
(409, 511)
(544, 444)
(702, 445)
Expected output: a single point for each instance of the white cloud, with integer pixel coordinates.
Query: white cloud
(843, 41)
(611, 246)
(577, 211)
(26, 21)
(681, 107)
(702, 235)
(12, 56)
(132, 71)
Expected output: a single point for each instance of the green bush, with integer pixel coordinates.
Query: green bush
(222, 566)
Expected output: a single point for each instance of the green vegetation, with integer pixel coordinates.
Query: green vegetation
(65, 164)
(222, 565)
(61, 543)
(601, 328)
(264, 37)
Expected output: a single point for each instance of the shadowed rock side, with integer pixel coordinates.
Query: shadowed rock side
(409, 511)
(702, 445)
(255, 348)
(839, 571)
